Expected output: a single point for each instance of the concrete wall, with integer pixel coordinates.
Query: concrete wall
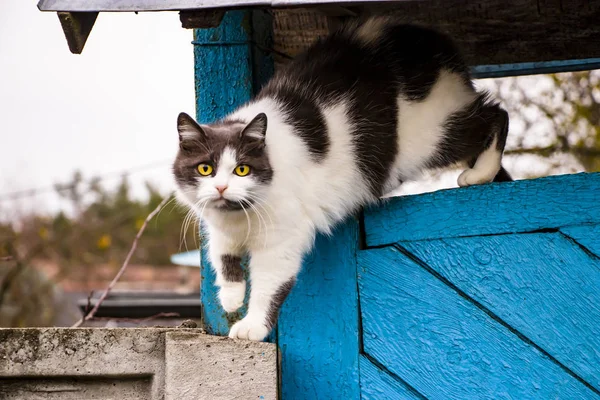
(133, 363)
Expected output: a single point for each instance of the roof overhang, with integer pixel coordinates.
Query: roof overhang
(533, 36)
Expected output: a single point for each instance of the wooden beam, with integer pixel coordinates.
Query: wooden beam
(201, 19)
(500, 32)
(77, 27)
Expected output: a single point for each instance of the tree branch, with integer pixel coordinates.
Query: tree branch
(91, 314)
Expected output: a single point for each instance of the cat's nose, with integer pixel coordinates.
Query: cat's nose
(221, 189)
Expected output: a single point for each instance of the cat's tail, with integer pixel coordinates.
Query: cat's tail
(503, 176)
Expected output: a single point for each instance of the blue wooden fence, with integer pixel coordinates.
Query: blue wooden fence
(483, 292)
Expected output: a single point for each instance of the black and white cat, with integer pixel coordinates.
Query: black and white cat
(362, 110)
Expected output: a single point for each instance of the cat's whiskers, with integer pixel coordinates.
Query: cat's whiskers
(190, 217)
(261, 221)
(260, 202)
(249, 225)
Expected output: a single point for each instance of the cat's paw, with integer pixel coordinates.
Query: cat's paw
(232, 295)
(249, 328)
(474, 176)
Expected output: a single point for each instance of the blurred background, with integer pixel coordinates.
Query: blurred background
(87, 142)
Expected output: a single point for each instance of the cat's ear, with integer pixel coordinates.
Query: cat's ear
(189, 131)
(256, 129)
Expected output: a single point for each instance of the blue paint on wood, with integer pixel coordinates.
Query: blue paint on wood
(587, 236)
(530, 68)
(444, 346)
(318, 326)
(376, 384)
(542, 285)
(229, 69)
(495, 208)
(223, 67)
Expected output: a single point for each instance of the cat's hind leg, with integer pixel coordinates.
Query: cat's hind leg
(486, 166)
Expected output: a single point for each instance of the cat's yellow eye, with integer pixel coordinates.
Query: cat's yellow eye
(242, 170)
(205, 169)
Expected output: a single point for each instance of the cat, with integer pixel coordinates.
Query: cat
(362, 110)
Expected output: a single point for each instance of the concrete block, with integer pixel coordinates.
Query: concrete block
(219, 368)
(132, 363)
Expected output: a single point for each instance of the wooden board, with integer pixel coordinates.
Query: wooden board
(318, 332)
(542, 285)
(377, 384)
(444, 345)
(176, 5)
(520, 206)
(490, 32)
(586, 236)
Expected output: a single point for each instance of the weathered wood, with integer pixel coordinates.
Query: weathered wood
(318, 333)
(543, 285)
(77, 27)
(443, 345)
(176, 5)
(376, 384)
(201, 18)
(586, 236)
(500, 32)
(489, 32)
(532, 68)
(520, 206)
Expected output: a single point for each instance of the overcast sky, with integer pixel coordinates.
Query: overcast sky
(109, 109)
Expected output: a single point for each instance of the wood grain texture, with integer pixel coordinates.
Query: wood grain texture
(542, 285)
(587, 236)
(520, 206)
(318, 334)
(500, 32)
(443, 345)
(376, 384)
(228, 71)
(77, 27)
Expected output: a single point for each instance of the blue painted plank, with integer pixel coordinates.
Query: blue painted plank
(443, 345)
(542, 285)
(530, 68)
(223, 67)
(494, 208)
(229, 70)
(376, 384)
(587, 236)
(318, 326)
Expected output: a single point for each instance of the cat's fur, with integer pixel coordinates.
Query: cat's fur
(341, 125)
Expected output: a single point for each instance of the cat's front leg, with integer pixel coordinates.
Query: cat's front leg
(273, 274)
(225, 258)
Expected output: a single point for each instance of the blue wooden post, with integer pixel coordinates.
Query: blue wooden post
(229, 70)
(318, 329)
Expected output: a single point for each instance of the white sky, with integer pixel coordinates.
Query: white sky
(109, 109)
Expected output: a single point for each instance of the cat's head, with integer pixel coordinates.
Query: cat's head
(224, 165)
